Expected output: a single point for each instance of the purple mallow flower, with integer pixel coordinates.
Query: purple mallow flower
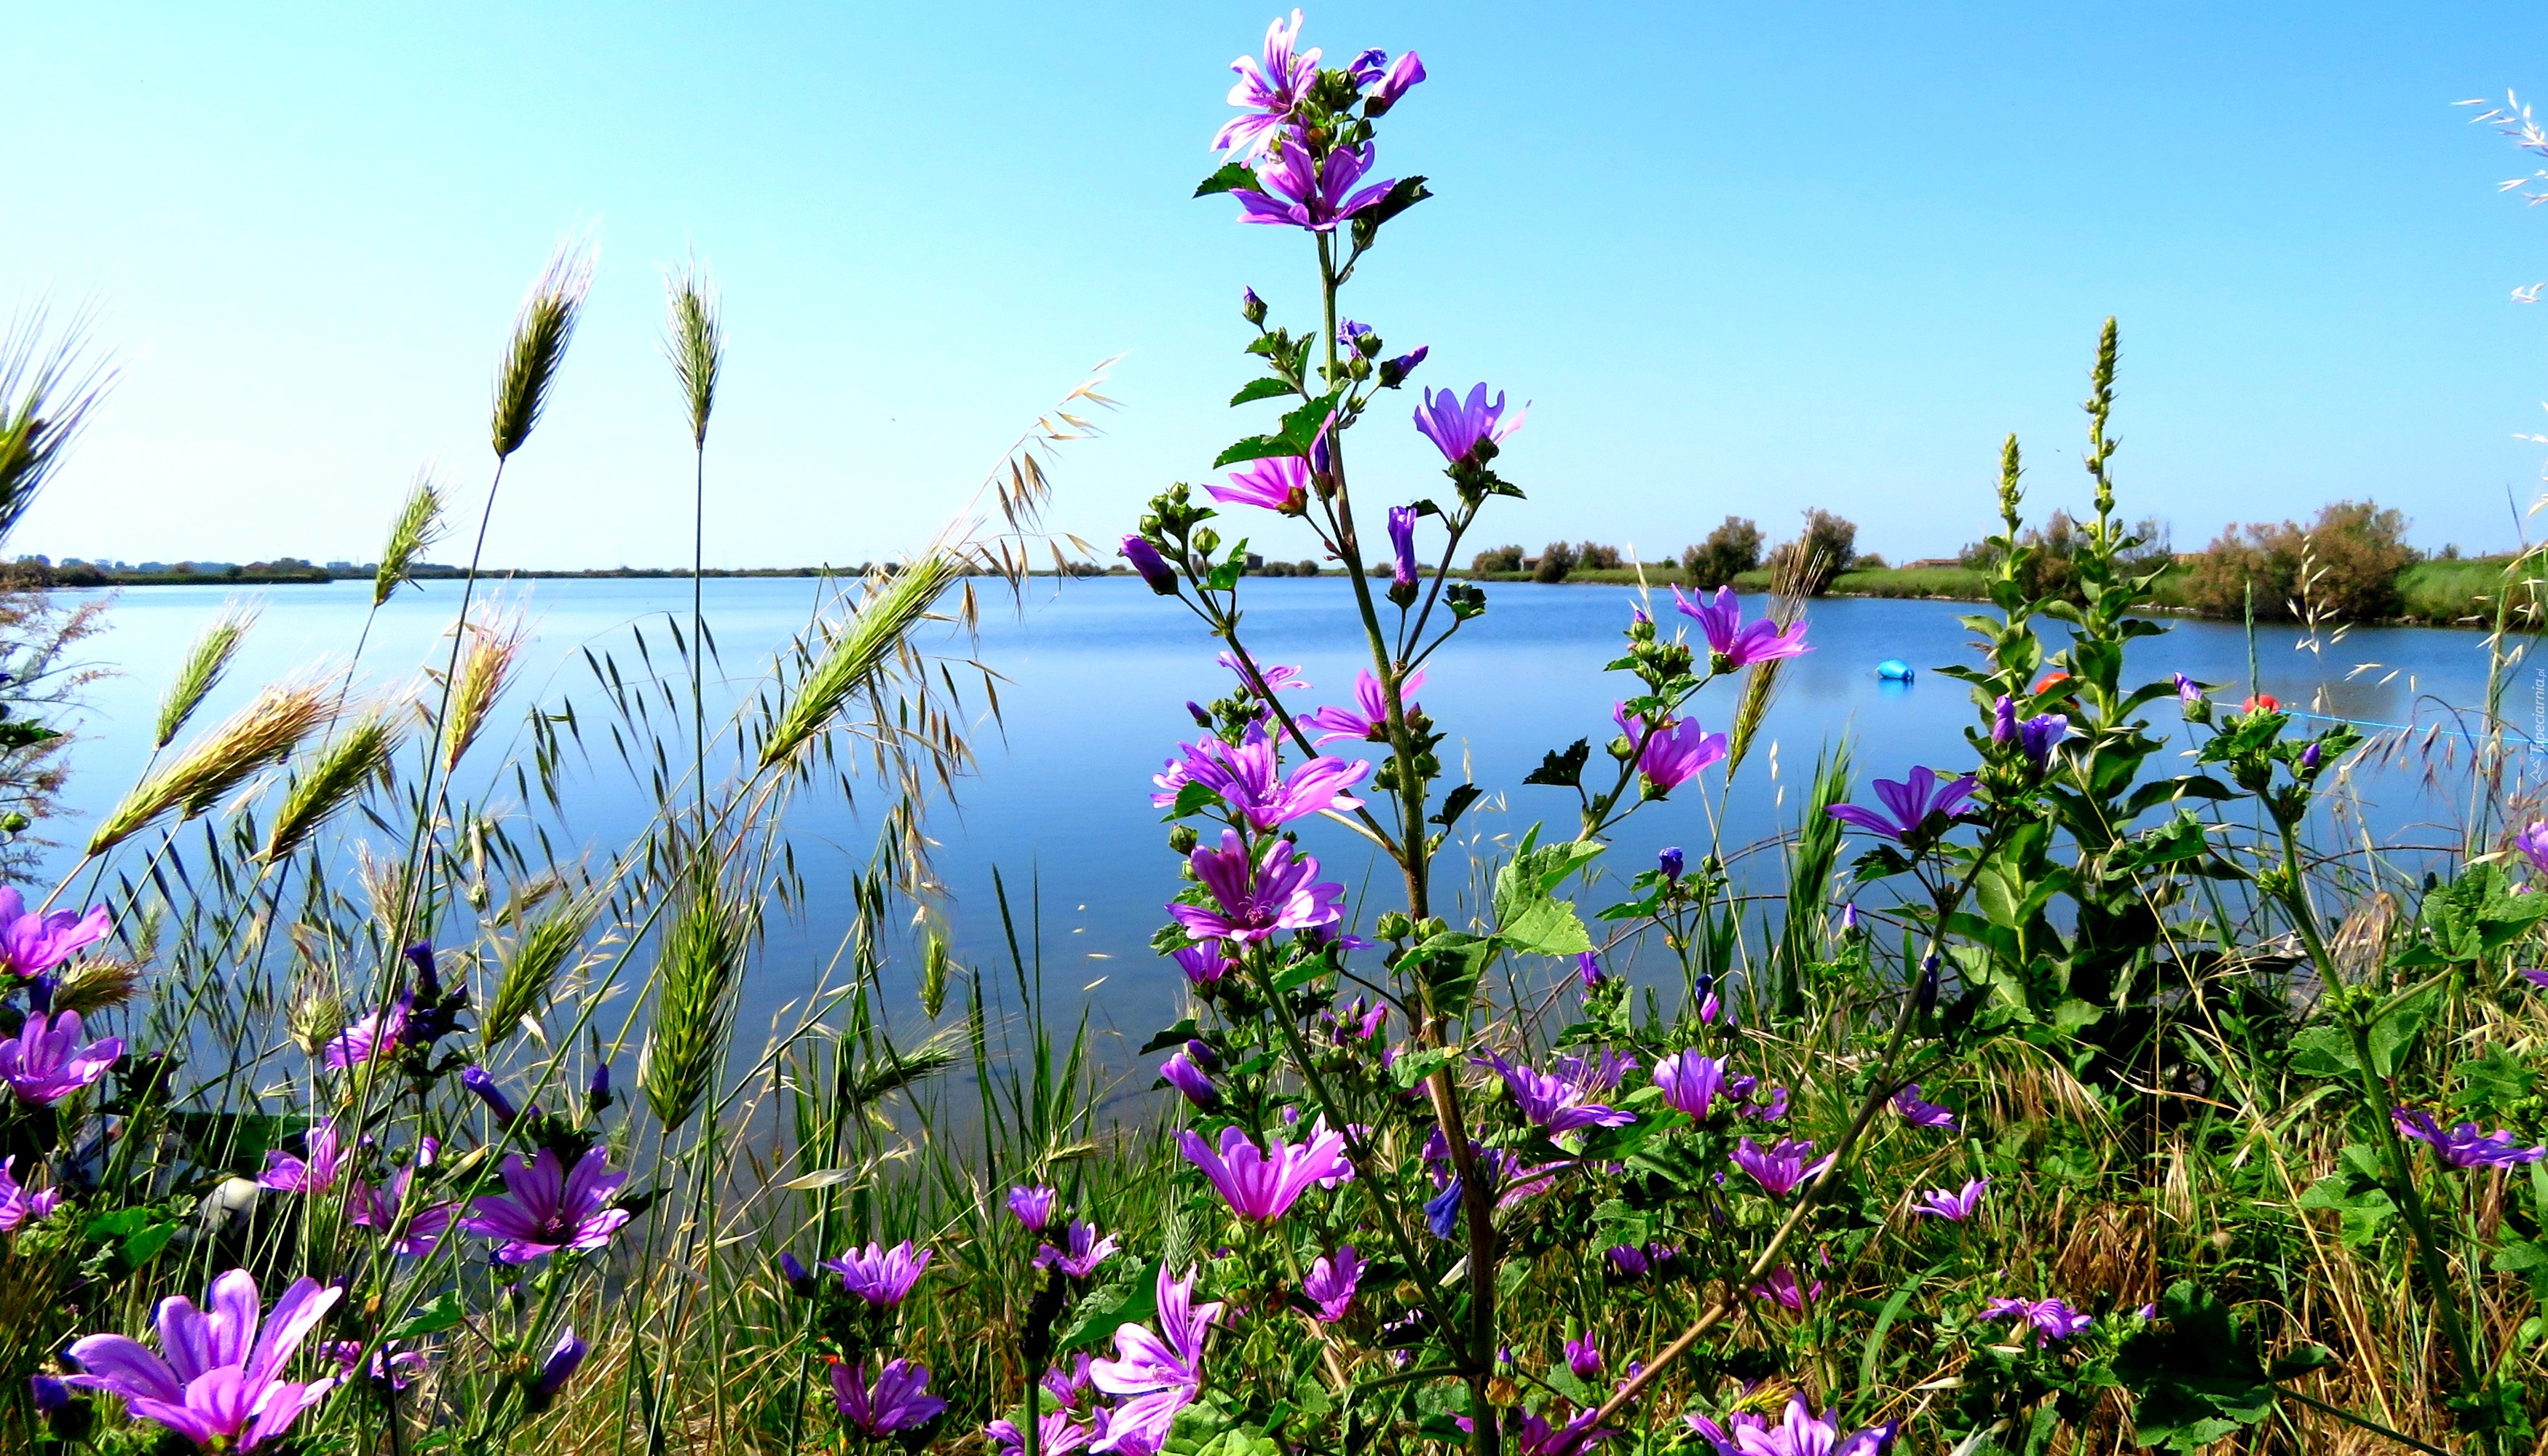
(35, 942)
(1331, 1280)
(1180, 1072)
(1265, 680)
(1956, 1206)
(2533, 845)
(558, 1365)
(1690, 1082)
(316, 1172)
(1058, 1434)
(880, 1276)
(1779, 1167)
(1782, 1289)
(1300, 190)
(1154, 1374)
(1676, 754)
(1281, 893)
(1085, 1253)
(1584, 1357)
(220, 1383)
(1910, 804)
(1204, 963)
(2035, 736)
(1268, 89)
(1394, 372)
(1735, 644)
(1555, 1104)
(1800, 1433)
(1403, 73)
(481, 1085)
(45, 1062)
(1587, 966)
(899, 1400)
(1032, 1206)
(391, 1366)
(2462, 1146)
(1263, 1184)
(363, 1040)
(1921, 1114)
(1279, 483)
(20, 1205)
(368, 1207)
(1368, 719)
(2052, 1318)
(1149, 565)
(1402, 547)
(1248, 776)
(1457, 426)
(546, 1207)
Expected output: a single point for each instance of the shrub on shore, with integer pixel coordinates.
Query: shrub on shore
(2344, 566)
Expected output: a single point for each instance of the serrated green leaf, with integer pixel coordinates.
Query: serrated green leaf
(1259, 389)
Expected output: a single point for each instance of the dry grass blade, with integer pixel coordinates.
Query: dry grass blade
(541, 332)
(487, 663)
(206, 662)
(532, 966)
(696, 344)
(264, 732)
(693, 1002)
(359, 758)
(1798, 571)
(417, 527)
(47, 391)
(859, 652)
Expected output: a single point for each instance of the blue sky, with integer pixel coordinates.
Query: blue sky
(1740, 258)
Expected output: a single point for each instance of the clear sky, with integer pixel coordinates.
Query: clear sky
(1740, 258)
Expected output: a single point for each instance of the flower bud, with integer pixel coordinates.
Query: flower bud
(1670, 863)
(1394, 372)
(558, 1368)
(1393, 925)
(1183, 839)
(596, 1090)
(1251, 307)
(1929, 984)
(481, 1085)
(1197, 711)
(1151, 564)
(793, 1269)
(2310, 758)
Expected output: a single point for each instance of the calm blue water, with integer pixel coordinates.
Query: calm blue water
(1097, 673)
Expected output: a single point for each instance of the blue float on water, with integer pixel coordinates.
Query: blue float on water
(1894, 669)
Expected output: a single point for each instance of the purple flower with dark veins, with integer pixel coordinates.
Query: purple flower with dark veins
(1180, 1072)
(1149, 565)
(1267, 90)
(1367, 719)
(1278, 482)
(1587, 966)
(1555, 1104)
(35, 942)
(1281, 893)
(1331, 1280)
(1154, 1374)
(1301, 192)
(2462, 1146)
(1628, 1259)
(20, 1205)
(1263, 1184)
(368, 1038)
(368, 1207)
(1674, 754)
(1058, 1434)
(882, 1277)
(1403, 73)
(1204, 963)
(1690, 1082)
(1911, 803)
(1955, 1208)
(45, 1062)
(1921, 1114)
(317, 1172)
(1803, 1433)
(1584, 1357)
(1085, 1253)
(1032, 1206)
(1266, 678)
(1457, 426)
(1248, 776)
(1732, 643)
(1782, 1289)
(1780, 1167)
(2052, 1318)
(2035, 736)
(219, 1384)
(899, 1400)
(546, 1207)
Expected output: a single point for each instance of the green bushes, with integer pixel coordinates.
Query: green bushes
(1556, 559)
(1729, 551)
(1825, 548)
(2342, 567)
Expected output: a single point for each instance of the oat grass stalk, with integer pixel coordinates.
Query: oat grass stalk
(48, 388)
(541, 332)
(696, 344)
(204, 665)
(695, 982)
(263, 733)
(420, 524)
(487, 660)
(343, 767)
(546, 949)
(859, 653)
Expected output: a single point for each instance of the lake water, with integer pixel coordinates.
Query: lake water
(1097, 674)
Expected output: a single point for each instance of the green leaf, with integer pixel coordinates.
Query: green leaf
(1129, 1298)
(1261, 388)
(1565, 769)
(1547, 928)
(444, 1314)
(1449, 966)
(2399, 1025)
(2197, 1372)
(1231, 177)
(2324, 1052)
(1457, 802)
(1192, 798)
(1408, 193)
(2491, 1082)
